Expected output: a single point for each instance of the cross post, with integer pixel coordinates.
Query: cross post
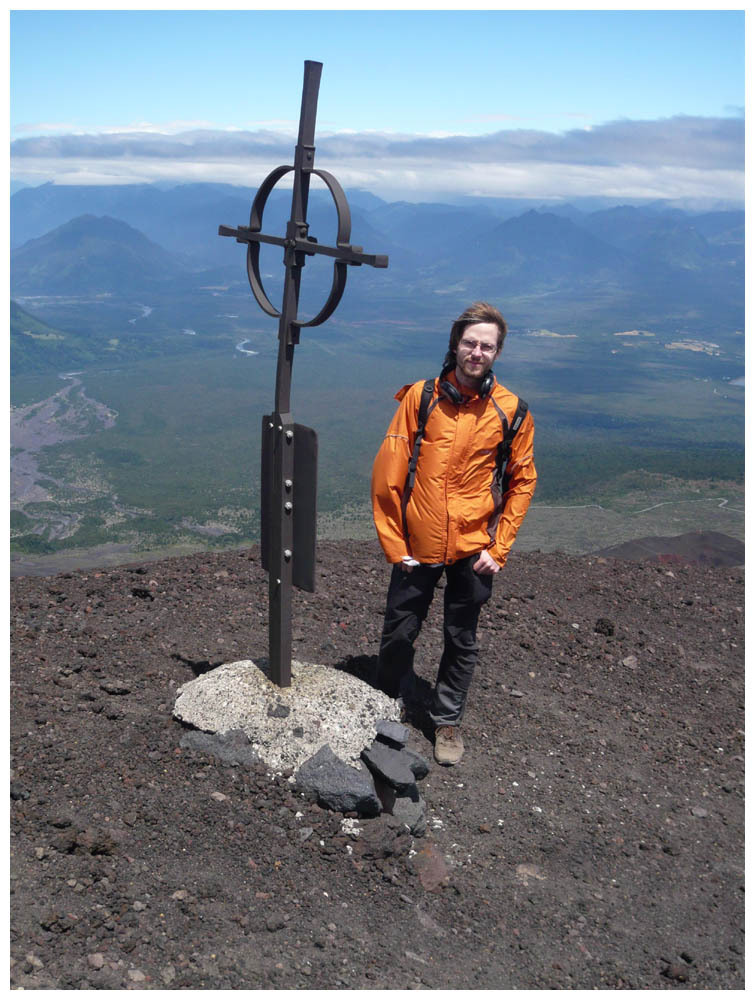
(289, 450)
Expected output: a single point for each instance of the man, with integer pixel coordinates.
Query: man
(451, 514)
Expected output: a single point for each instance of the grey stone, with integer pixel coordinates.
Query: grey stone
(418, 764)
(428, 923)
(338, 785)
(168, 974)
(411, 812)
(278, 711)
(232, 747)
(385, 792)
(18, 792)
(392, 733)
(60, 821)
(391, 765)
(113, 686)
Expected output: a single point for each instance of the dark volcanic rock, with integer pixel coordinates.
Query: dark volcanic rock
(391, 765)
(411, 811)
(562, 853)
(278, 711)
(417, 763)
(392, 733)
(337, 785)
(18, 792)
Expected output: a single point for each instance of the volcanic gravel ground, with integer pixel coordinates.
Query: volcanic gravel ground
(592, 835)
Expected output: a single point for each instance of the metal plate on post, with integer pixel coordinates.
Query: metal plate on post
(266, 490)
(303, 497)
(305, 507)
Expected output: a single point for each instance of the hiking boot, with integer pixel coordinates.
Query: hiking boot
(449, 746)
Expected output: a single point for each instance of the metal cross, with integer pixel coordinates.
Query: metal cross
(289, 450)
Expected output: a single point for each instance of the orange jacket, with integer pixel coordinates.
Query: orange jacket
(452, 511)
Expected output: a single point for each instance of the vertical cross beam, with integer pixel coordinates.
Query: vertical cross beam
(280, 581)
(289, 450)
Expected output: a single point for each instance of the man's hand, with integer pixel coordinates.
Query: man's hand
(486, 564)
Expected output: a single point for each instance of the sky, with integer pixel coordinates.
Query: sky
(412, 104)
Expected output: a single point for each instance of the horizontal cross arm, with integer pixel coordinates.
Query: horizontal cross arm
(345, 252)
(245, 235)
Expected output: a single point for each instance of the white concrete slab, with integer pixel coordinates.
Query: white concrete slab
(287, 725)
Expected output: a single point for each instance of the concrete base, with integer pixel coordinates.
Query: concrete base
(287, 726)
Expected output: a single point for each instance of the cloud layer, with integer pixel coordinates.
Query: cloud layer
(680, 157)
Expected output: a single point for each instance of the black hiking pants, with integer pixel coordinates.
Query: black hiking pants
(409, 599)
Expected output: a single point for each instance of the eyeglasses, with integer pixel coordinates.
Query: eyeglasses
(470, 345)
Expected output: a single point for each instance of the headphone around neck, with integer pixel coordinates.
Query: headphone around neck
(449, 390)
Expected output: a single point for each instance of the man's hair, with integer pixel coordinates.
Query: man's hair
(480, 312)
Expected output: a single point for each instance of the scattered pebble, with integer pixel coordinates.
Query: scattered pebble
(115, 687)
(413, 957)
(676, 972)
(351, 827)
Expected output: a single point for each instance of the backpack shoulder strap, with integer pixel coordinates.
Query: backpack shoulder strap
(509, 433)
(422, 415)
(424, 403)
(519, 415)
(425, 409)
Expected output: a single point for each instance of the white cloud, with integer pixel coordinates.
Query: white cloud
(682, 157)
(37, 128)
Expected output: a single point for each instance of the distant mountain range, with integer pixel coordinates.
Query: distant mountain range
(569, 268)
(92, 255)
